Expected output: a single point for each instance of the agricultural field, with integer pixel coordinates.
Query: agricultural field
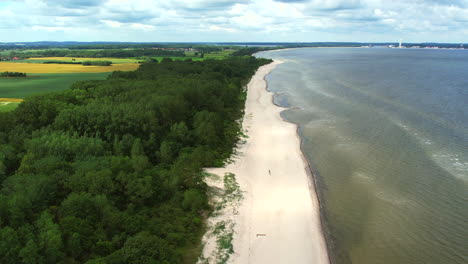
(43, 78)
(71, 59)
(42, 83)
(64, 68)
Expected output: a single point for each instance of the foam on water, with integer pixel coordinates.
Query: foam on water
(449, 160)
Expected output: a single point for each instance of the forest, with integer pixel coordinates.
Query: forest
(12, 74)
(97, 63)
(110, 171)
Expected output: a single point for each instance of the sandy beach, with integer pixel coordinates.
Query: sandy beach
(277, 220)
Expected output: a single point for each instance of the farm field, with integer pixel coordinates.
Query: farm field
(42, 83)
(56, 77)
(8, 106)
(64, 68)
(75, 59)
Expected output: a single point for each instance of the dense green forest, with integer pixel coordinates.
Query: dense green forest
(110, 171)
(61, 62)
(97, 63)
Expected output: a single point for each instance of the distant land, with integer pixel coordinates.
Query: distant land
(74, 44)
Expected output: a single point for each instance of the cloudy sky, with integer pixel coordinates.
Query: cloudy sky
(234, 20)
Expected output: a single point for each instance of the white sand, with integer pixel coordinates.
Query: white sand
(278, 220)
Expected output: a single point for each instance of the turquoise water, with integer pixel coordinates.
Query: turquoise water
(386, 131)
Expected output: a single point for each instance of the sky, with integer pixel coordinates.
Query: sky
(234, 20)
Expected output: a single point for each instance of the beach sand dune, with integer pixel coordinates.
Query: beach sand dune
(278, 219)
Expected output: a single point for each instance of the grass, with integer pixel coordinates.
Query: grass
(224, 230)
(43, 82)
(8, 106)
(191, 55)
(232, 191)
(225, 201)
(218, 55)
(224, 243)
(64, 68)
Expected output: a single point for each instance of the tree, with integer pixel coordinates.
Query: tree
(144, 248)
(9, 246)
(50, 238)
(109, 171)
(139, 159)
(206, 125)
(194, 200)
(30, 254)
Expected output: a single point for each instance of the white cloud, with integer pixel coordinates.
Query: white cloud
(136, 26)
(218, 28)
(241, 20)
(110, 23)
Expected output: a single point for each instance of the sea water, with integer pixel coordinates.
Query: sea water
(386, 132)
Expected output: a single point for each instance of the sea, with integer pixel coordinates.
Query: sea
(386, 134)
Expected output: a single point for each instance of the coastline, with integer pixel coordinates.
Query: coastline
(313, 185)
(278, 219)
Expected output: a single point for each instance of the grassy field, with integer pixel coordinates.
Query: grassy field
(191, 55)
(8, 106)
(64, 68)
(42, 83)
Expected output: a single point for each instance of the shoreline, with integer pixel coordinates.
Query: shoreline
(279, 218)
(313, 177)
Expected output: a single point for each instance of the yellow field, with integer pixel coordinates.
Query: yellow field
(64, 68)
(114, 60)
(12, 100)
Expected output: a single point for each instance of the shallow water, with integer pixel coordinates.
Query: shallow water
(387, 132)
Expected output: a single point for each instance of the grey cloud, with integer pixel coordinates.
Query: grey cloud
(73, 4)
(292, 1)
(206, 5)
(130, 17)
(459, 3)
(334, 5)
